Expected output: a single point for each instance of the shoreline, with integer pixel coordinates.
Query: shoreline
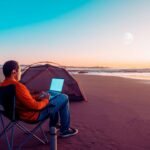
(144, 80)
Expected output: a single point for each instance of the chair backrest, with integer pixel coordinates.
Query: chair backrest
(8, 101)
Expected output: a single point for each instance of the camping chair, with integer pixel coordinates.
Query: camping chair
(7, 109)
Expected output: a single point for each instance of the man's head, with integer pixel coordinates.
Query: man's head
(11, 69)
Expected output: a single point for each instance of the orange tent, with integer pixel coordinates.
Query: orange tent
(38, 77)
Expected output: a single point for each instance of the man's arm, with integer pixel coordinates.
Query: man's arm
(25, 98)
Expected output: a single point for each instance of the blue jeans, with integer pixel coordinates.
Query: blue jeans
(60, 106)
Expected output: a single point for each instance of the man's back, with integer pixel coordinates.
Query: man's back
(27, 107)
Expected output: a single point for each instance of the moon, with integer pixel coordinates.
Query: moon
(128, 38)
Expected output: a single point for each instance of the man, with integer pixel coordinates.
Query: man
(32, 108)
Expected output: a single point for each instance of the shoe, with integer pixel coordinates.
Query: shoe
(68, 133)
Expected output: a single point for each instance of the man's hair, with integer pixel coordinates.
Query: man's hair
(9, 66)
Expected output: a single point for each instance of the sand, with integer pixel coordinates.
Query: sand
(116, 116)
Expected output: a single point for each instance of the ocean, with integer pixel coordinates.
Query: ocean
(143, 73)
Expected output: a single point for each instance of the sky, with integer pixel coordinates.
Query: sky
(112, 33)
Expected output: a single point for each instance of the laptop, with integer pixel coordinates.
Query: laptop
(56, 87)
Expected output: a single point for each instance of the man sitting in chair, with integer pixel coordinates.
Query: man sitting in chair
(32, 108)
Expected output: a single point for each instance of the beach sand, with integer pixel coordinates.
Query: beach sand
(116, 116)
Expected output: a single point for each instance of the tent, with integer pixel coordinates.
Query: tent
(37, 77)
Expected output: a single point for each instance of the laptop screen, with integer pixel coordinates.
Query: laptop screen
(56, 84)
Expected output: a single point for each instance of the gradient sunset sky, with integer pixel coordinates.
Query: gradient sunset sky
(76, 32)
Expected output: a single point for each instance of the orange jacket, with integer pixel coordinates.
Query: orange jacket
(27, 107)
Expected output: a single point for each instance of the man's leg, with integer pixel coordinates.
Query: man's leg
(61, 106)
(54, 120)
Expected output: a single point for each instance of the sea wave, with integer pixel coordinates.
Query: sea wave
(143, 74)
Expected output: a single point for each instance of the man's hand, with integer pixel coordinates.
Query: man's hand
(44, 95)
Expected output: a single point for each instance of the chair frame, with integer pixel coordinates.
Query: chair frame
(16, 122)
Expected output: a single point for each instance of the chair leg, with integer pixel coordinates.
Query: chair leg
(24, 129)
(44, 134)
(12, 137)
(6, 128)
(31, 134)
(6, 137)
